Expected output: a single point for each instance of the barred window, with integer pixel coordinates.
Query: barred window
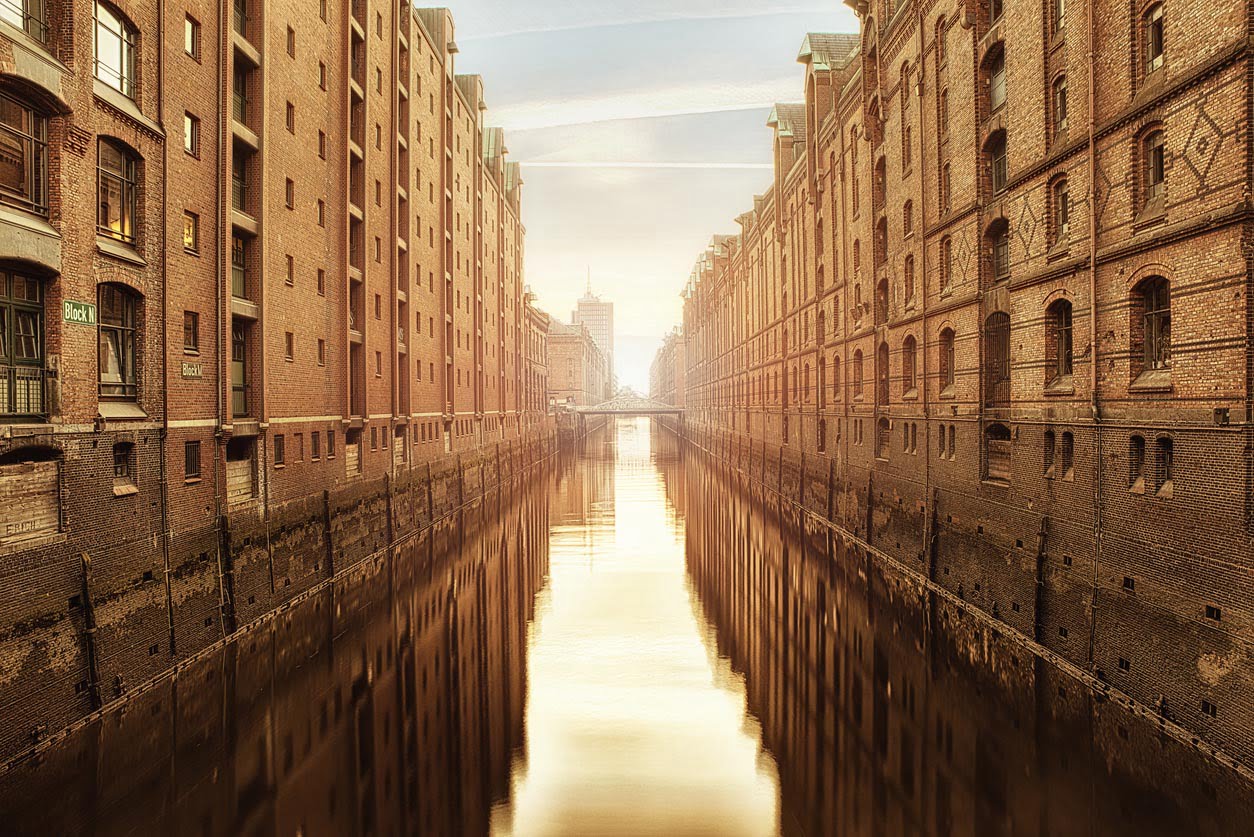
(191, 460)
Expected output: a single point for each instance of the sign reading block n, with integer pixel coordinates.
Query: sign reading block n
(83, 313)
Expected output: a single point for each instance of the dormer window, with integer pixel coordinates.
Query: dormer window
(114, 51)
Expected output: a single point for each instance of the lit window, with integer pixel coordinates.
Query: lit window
(191, 232)
(116, 205)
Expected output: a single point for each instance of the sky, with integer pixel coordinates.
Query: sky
(641, 128)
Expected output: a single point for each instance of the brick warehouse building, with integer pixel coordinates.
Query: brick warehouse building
(902, 335)
(666, 372)
(226, 387)
(578, 373)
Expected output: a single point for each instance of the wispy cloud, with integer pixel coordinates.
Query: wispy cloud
(482, 20)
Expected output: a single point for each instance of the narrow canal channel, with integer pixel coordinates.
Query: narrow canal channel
(630, 644)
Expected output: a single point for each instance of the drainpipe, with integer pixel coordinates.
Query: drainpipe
(163, 437)
(1094, 406)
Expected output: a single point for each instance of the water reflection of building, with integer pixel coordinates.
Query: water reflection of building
(391, 704)
(890, 712)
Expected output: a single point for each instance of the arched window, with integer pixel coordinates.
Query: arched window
(21, 346)
(907, 281)
(941, 54)
(119, 338)
(946, 364)
(907, 218)
(1154, 170)
(116, 176)
(883, 438)
(944, 189)
(881, 374)
(820, 333)
(23, 155)
(946, 264)
(881, 301)
(909, 351)
(1152, 38)
(836, 393)
(997, 81)
(1060, 104)
(806, 381)
(997, 240)
(1164, 463)
(1151, 324)
(114, 50)
(1136, 463)
(857, 255)
(997, 359)
(997, 451)
(1058, 340)
(995, 152)
(857, 373)
(1060, 210)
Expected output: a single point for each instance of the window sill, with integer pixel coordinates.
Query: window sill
(120, 410)
(120, 101)
(1152, 380)
(118, 250)
(995, 483)
(1061, 248)
(125, 489)
(947, 393)
(910, 395)
(1061, 385)
(1154, 212)
(192, 481)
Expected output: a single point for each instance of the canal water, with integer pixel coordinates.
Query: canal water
(627, 645)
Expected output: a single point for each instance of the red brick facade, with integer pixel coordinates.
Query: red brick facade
(902, 335)
(243, 361)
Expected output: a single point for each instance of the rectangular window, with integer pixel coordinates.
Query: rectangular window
(116, 184)
(291, 42)
(122, 461)
(322, 352)
(322, 144)
(289, 192)
(299, 440)
(322, 282)
(322, 212)
(291, 118)
(191, 460)
(289, 346)
(191, 331)
(21, 346)
(280, 457)
(315, 445)
(191, 232)
(330, 444)
(290, 278)
(322, 75)
(191, 37)
(191, 133)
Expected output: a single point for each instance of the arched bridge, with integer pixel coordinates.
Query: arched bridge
(631, 405)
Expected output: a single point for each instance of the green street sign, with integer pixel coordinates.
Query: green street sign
(83, 313)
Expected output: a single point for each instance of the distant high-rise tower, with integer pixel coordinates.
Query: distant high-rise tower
(598, 318)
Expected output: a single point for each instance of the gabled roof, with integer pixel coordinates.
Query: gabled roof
(828, 51)
(788, 119)
(494, 143)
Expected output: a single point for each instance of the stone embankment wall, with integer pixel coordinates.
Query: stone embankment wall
(92, 630)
